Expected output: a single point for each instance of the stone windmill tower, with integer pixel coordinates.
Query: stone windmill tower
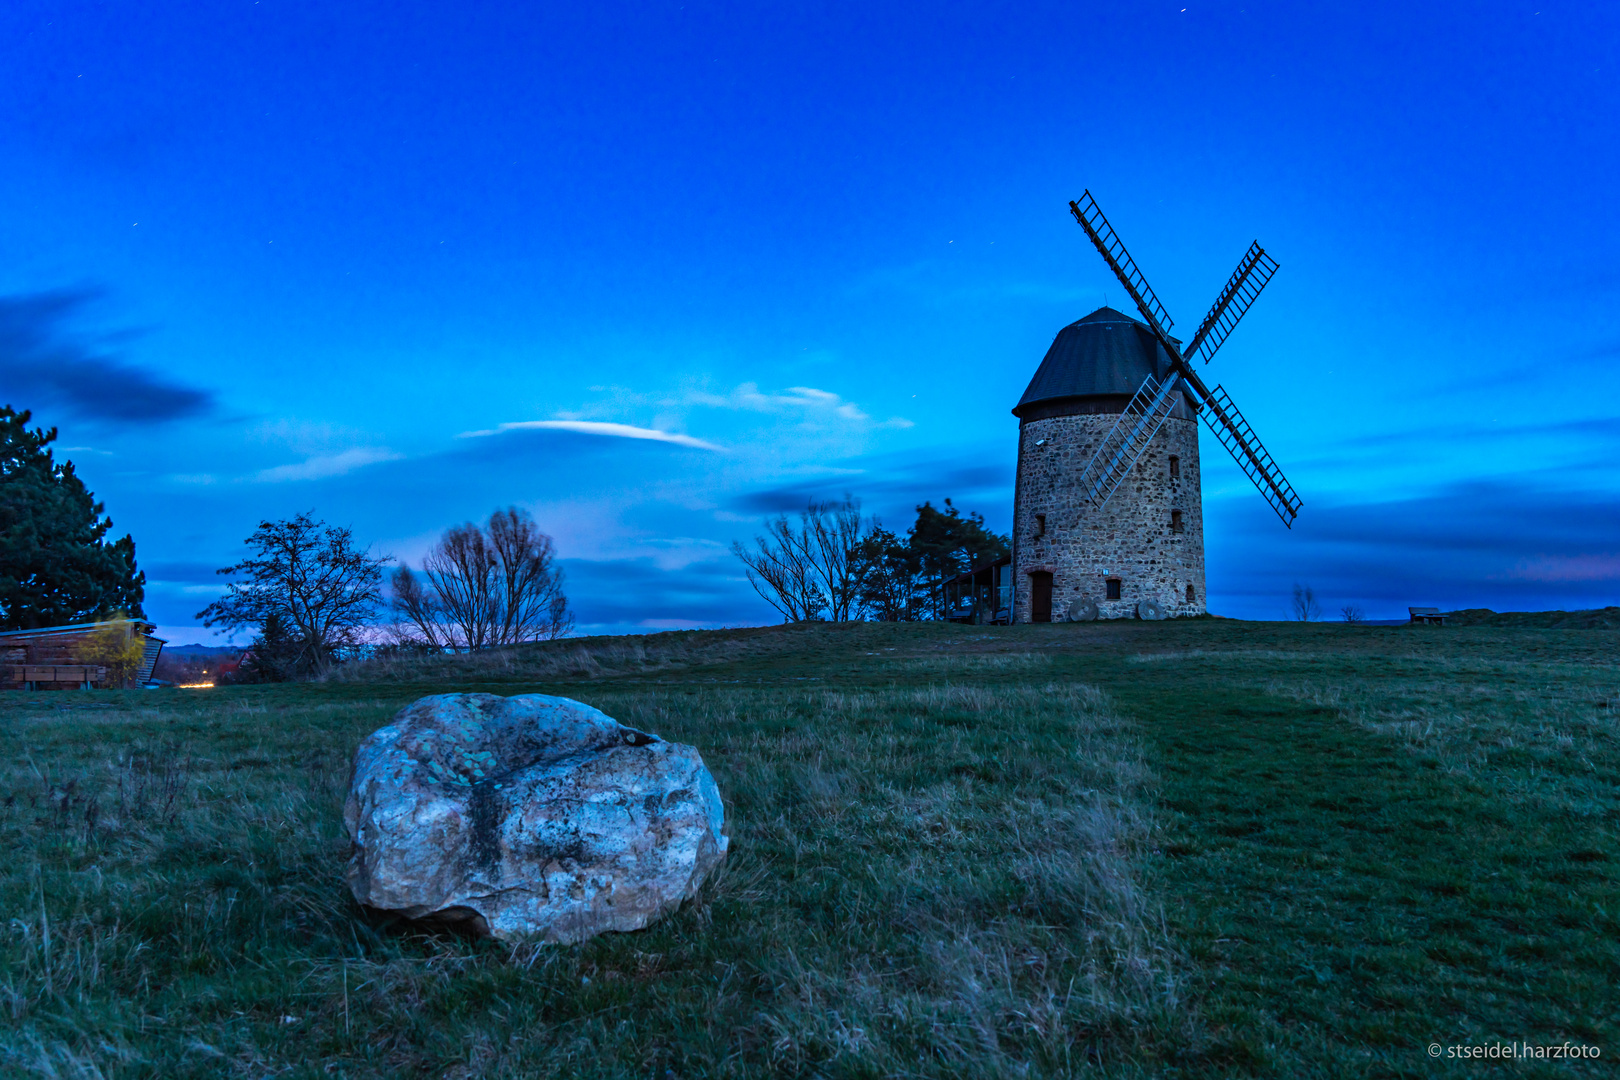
(1108, 517)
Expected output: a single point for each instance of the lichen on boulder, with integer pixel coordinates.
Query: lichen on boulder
(528, 817)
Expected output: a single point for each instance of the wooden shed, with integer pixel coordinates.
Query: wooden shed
(981, 595)
(54, 657)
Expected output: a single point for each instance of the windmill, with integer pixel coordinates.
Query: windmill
(1154, 400)
(1108, 512)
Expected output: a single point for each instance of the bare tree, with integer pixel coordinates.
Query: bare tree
(462, 574)
(831, 538)
(308, 581)
(1352, 613)
(498, 585)
(780, 571)
(533, 607)
(1305, 607)
(418, 608)
(813, 571)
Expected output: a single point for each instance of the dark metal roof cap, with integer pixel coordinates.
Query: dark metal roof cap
(1107, 353)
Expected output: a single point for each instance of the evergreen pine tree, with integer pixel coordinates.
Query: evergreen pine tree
(56, 565)
(944, 543)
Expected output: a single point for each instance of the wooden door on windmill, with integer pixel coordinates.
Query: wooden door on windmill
(1040, 596)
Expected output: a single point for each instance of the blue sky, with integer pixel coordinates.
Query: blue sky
(655, 270)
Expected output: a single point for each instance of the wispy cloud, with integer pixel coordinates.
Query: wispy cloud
(325, 465)
(1510, 543)
(41, 363)
(597, 427)
(795, 399)
(810, 408)
(892, 485)
(626, 595)
(309, 438)
(1596, 567)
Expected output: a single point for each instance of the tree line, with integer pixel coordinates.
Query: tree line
(306, 592)
(309, 595)
(832, 563)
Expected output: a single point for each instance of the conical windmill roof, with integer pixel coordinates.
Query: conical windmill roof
(1100, 357)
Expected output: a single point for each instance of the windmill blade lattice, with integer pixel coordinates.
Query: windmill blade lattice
(1151, 406)
(1241, 291)
(1146, 413)
(1222, 417)
(1090, 216)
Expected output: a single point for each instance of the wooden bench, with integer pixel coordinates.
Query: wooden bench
(44, 676)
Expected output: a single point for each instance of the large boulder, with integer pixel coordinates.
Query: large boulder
(528, 816)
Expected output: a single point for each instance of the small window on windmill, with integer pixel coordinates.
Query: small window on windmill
(1175, 521)
(1113, 588)
(1040, 524)
(1192, 597)
(1175, 467)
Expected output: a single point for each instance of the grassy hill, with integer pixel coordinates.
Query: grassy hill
(1202, 848)
(1596, 619)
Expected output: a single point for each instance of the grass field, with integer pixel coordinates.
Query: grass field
(1201, 849)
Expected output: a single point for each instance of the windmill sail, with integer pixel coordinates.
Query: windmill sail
(1117, 453)
(1090, 216)
(1151, 406)
(1240, 293)
(1224, 419)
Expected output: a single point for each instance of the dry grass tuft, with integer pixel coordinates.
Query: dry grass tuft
(926, 880)
(1171, 656)
(968, 664)
(1004, 875)
(587, 658)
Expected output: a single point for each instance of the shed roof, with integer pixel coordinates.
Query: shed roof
(1105, 354)
(984, 567)
(141, 627)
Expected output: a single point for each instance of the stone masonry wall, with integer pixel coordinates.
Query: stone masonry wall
(1129, 538)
